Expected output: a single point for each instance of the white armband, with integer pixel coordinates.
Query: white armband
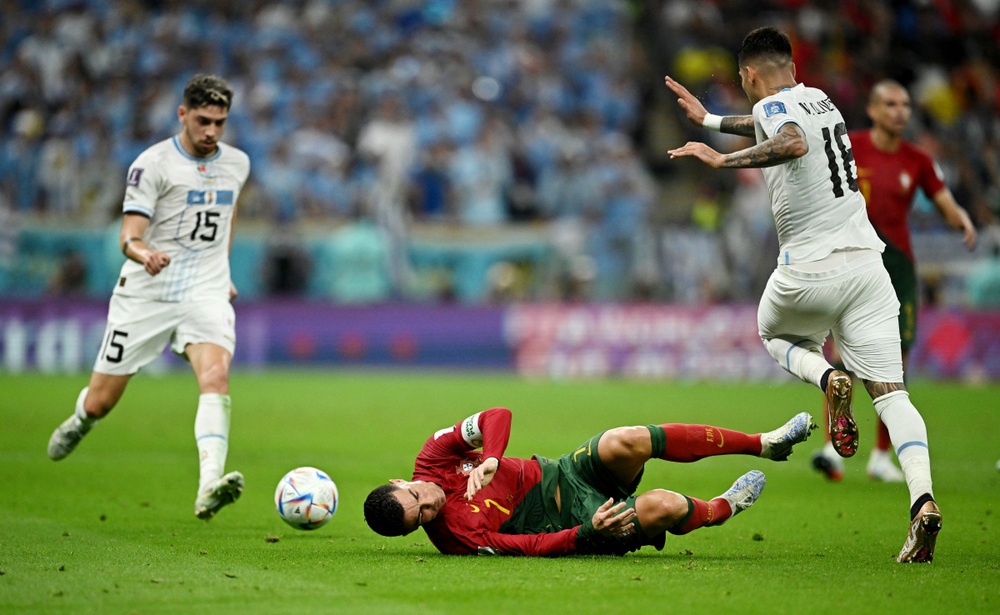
(712, 122)
(471, 432)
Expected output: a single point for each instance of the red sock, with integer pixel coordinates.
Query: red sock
(686, 443)
(882, 441)
(702, 514)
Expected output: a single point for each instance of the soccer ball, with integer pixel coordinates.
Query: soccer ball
(306, 498)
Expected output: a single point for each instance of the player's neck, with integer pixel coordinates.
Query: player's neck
(883, 140)
(190, 149)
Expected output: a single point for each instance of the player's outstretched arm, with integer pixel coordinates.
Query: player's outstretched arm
(789, 144)
(741, 125)
(134, 248)
(955, 216)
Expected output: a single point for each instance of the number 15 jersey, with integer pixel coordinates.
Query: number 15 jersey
(190, 203)
(815, 200)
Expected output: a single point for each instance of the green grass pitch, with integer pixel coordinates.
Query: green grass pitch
(110, 529)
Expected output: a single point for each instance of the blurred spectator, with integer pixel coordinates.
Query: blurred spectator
(70, 279)
(287, 265)
(480, 113)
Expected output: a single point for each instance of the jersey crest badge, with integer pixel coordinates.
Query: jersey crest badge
(905, 180)
(774, 108)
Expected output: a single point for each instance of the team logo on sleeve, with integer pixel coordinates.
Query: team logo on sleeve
(134, 175)
(774, 108)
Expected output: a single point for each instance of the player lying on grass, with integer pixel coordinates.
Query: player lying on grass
(583, 503)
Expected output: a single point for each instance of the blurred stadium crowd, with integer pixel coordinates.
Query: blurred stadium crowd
(450, 120)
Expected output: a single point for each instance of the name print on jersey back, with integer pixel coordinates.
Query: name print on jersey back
(815, 199)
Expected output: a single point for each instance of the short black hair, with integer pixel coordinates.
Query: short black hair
(207, 90)
(383, 512)
(767, 43)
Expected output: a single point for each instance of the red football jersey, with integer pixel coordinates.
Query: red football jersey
(462, 527)
(888, 182)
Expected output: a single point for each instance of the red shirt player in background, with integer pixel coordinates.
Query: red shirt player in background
(484, 503)
(889, 172)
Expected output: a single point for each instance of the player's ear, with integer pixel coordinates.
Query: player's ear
(181, 112)
(793, 70)
(396, 481)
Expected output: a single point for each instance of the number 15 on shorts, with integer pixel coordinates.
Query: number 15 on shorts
(114, 348)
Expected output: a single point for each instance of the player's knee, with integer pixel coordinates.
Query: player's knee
(659, 510)
(214, 379)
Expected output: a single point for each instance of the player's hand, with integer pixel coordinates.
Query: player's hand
(969, 236)
(481, 476)
(692, 106)
(700, 151)
(613, 522)
(233, 293)
(968, 233)
(154, 262)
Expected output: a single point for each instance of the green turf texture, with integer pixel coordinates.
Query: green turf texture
(111, 528)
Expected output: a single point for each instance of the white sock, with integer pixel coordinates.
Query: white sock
(85, 422)
(802, 358)
(909, 439)
(211, 431)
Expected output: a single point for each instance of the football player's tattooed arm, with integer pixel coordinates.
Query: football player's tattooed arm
(878, 389)
(788, 144)
(740, 125)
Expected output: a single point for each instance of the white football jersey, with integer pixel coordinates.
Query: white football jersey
(189, 202)
(815, 199)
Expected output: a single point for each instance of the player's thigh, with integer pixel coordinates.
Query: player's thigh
(206, 322)
(624, 451)
(867, 332)
(791, 307)
(136, 334)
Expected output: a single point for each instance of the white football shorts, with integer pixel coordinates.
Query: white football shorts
(855, 301)
(139, 329)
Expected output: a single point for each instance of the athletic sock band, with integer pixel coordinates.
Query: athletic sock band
(915, 509)
(658, 438)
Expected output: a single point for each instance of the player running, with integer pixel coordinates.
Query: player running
(830, 274)
(584, 502)
(889, 172)
(180, 206)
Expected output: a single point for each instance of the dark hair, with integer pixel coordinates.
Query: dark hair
(767, 43)
(207, 90)
(383, 512)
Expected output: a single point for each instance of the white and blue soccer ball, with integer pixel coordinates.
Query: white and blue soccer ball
(306, 498)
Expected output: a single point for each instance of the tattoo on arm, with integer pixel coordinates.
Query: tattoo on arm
(878, 389)
(741, 125)
(788, 144)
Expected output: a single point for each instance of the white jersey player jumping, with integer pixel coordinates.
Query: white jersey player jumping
(830, 274)
(179, 210)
